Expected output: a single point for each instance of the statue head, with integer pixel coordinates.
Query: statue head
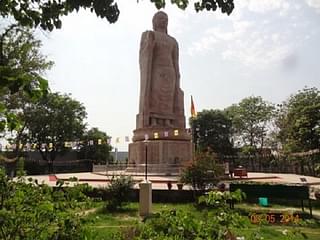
(160, 22)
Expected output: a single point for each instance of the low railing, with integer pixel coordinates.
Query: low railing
(139, 169)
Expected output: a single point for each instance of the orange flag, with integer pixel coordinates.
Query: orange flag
(193, 110)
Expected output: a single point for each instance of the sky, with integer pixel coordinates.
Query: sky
(267, 48)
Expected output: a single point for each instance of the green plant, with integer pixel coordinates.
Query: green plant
(217, 199)
(118, 192)
(182, 225)
(20, 167)
(203, 173)
(29, 210)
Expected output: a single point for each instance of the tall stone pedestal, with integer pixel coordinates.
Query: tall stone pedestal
(166, 154)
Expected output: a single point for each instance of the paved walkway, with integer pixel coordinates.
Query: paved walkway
(100, 179)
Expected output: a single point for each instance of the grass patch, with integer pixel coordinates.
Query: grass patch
(103, 224)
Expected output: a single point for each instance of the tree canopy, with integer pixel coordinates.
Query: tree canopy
(299, 121)
(249, 120)
(212, 128)
(22, 66)
(95, 146)
(47, 14)
(54, 120)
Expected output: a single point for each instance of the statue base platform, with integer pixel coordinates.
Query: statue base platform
(155, 169)
(162, 156)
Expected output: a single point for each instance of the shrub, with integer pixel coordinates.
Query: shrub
(182, 225)
(203, 173)
(217, 199)
(118, 192)
(29, 210)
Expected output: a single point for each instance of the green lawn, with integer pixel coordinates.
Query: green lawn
(103, 225)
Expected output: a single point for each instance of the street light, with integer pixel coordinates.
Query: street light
(146, 137)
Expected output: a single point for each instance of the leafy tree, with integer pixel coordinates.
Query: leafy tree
(47, 14)
(299, 121)
(16, 104)
(95, 146)
(250, 120)
(53, 121)
(21, 68)
(212, 129)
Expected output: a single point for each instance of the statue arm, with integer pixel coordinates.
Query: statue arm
(145, 61)
(176, 63)
(146, 43)
(178, 105)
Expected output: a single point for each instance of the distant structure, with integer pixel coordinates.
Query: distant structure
(160, 135)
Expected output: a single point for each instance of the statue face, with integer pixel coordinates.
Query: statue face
(160, 21)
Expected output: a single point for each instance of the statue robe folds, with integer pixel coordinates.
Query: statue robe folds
(161, 99)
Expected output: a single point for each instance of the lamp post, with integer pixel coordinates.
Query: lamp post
(146, 137)
(145, 187)
(146, 161)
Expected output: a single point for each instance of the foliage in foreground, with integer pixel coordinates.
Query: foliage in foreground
(216, 222)
(183, 225)
(29, 210)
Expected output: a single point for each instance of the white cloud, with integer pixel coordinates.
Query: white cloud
(262, 6)
(263, 41)
(314, 4)
(246, 44)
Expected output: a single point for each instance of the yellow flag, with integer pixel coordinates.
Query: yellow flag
(193, 110)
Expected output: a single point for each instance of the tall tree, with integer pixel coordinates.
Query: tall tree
(22, 66)
(250, 119)
(212, 129)
(299, 121)
(52, 121)
(48, 14)
(95, 146)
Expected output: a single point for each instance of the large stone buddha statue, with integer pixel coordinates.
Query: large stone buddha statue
(160, 135)
(161, 99)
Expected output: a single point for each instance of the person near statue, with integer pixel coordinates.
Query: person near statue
(161, 99)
